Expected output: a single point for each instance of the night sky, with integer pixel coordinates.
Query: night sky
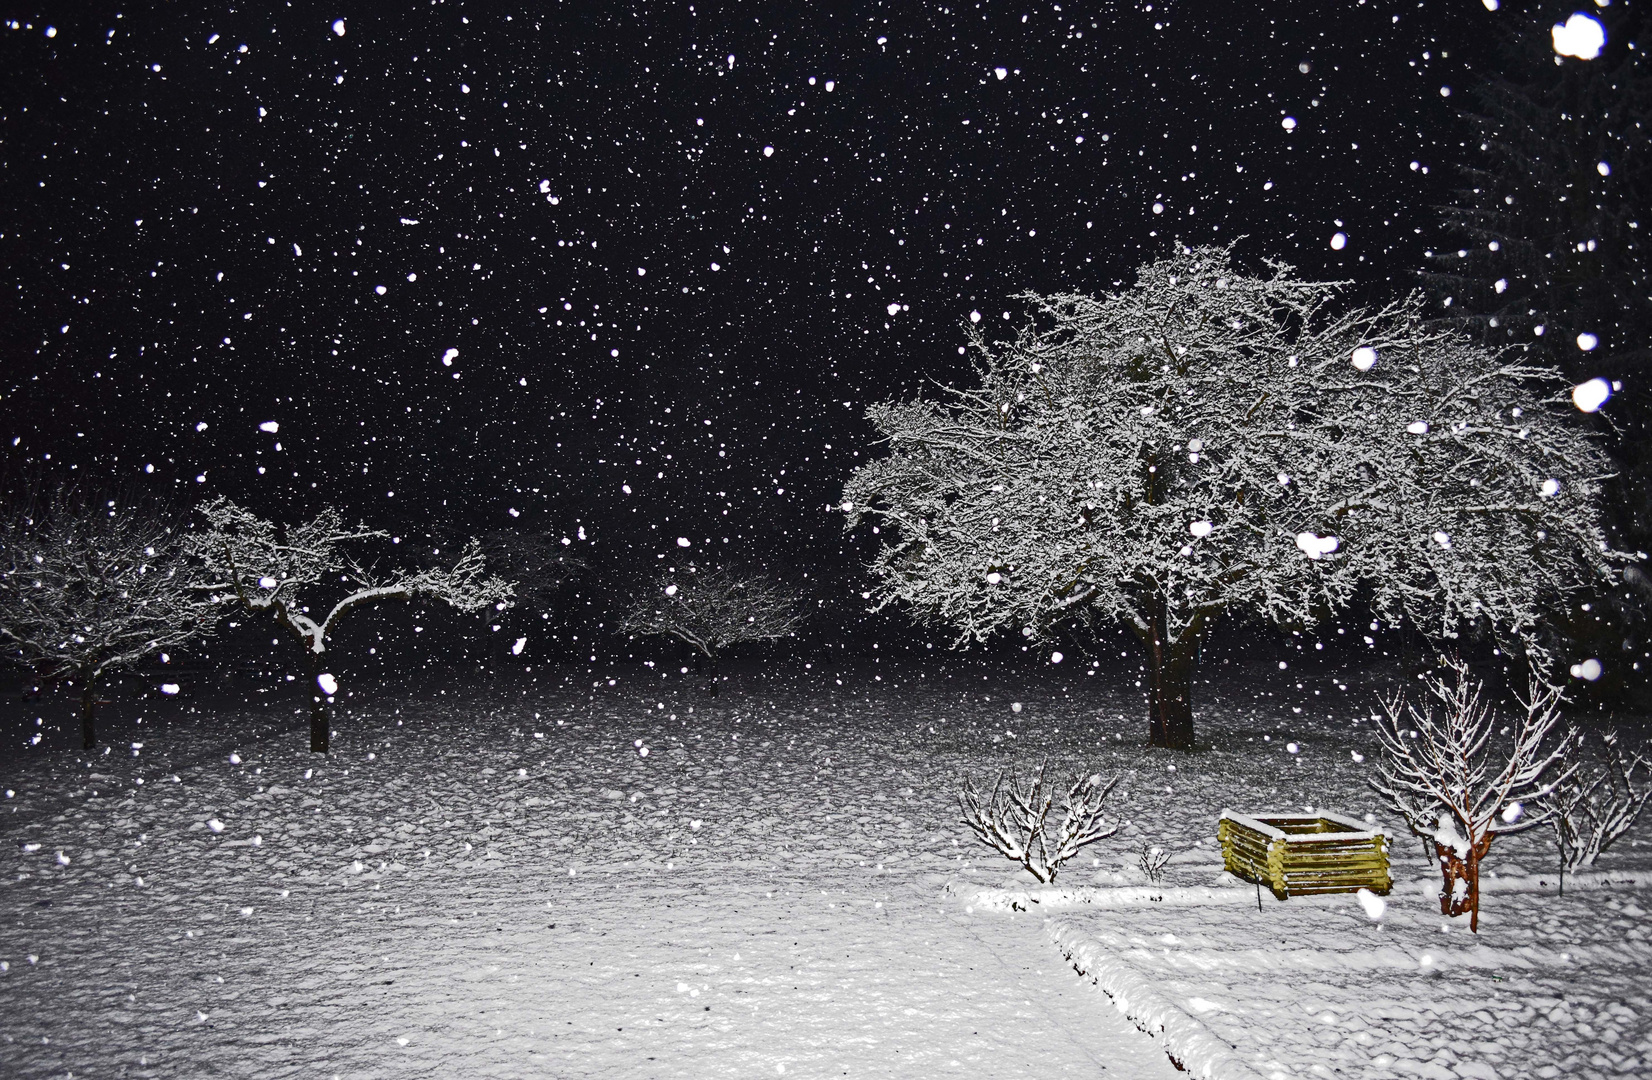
(667, 241)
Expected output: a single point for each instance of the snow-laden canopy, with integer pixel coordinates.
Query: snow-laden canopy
(1208, 440)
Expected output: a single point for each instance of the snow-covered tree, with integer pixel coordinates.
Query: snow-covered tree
(712, 610)
(1210, 441)
(1462, 775)
(1594, 806)
(90, 586)
(1014, 820)
(546, 571)
(285, 570)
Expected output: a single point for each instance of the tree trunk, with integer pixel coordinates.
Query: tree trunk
(88, 714)
(714, 674)
(1460, 892)
(1170, 684)
(320, 733)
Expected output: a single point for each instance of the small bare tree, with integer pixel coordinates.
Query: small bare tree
(1015, 822)
(87, 587)
(713, 610)
(1591, 811)
(1461, 777)
(252, 563)
(541, 565)
(1153, 859)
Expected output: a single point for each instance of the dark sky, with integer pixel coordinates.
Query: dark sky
(665, 239)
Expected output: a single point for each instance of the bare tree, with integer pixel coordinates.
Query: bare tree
(1209, 440)
(1592, 810)
(87, 587)
(1153, 859)
(1461, 778)
(1015, 822)
(541, 565)
(261, 567)
(714, 610)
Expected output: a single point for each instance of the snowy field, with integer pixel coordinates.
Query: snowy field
(494, 880)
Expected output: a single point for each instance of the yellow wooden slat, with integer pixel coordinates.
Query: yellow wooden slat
(1299, 864)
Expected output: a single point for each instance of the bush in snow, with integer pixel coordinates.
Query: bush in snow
(1015, 821)
(88, 586)
(1152, 860)
(1462, 775)
(1207, 441)
(251, 563)
(1593, 808)
(714, 610)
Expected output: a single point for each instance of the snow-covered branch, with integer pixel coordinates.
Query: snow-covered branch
(1207, 440)
(1015, 822)
(88, 586)
(1592, 808)
(244, 560)
(1449, 768)
(713, 610)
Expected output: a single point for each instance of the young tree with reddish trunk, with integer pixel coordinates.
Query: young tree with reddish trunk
(1209, 441)
(1462, 775)
(89, 586)
(254, 564)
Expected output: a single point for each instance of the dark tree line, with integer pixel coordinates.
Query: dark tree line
(1552, 223)
(1548, 255)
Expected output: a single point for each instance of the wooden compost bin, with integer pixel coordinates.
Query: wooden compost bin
(1298, 854)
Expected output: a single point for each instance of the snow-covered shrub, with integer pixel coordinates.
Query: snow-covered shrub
(1208, 440)
(1594, 807)
(1015, 821)
(91, 585)
(1462, 775)
(243, 560)
(713, 610)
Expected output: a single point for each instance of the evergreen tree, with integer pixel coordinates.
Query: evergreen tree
(1551, 225)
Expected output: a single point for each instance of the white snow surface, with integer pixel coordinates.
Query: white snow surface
(455, 896)
(1552, 986)
(491, 880)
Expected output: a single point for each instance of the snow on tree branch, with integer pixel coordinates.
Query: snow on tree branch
(249, 561)
(290, 571)
(1593, 809)
(1207, 440)
(1452, 768)
(88, 586)
(712, 610)
(1015, 822)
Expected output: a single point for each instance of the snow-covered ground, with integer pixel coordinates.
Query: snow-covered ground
(500, 884)
(1313, 987)
(492, 879)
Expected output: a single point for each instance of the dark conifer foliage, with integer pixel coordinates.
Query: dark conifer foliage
(1551, 222)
